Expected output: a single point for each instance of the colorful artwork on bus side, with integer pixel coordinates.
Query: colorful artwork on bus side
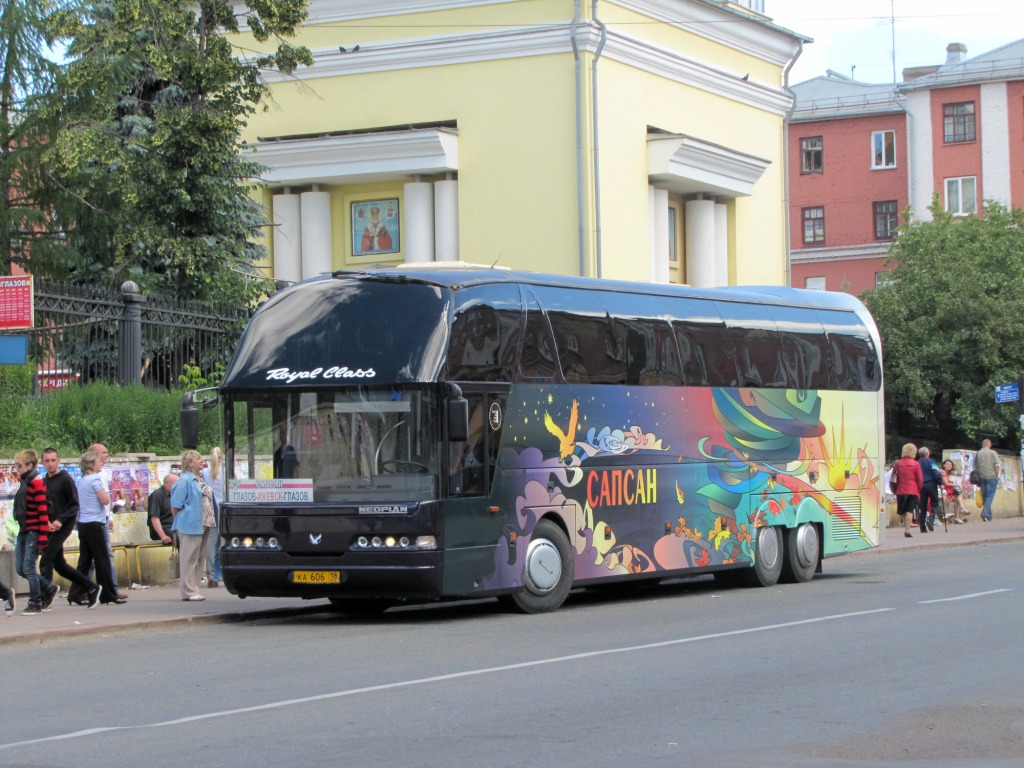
(650, 479)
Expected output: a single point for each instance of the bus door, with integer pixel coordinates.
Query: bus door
(472, 528)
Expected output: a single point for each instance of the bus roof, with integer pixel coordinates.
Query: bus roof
(455, 275)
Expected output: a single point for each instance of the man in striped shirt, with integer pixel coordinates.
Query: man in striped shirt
(33, 526)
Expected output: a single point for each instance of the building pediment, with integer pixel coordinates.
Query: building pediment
(352, 158)
(686, 165)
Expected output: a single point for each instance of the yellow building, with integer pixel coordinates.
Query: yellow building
(628, 139)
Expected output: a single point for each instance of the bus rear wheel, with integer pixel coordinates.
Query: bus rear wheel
(547, 575)
(802, 552)
(767, 558)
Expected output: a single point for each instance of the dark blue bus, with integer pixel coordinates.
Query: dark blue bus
(430, 432)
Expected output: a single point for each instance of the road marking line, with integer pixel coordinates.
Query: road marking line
(444, 678)
(965, 597)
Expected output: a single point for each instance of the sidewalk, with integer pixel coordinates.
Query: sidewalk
(160, 607)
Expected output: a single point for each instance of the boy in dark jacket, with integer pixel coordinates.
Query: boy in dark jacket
(62, 504)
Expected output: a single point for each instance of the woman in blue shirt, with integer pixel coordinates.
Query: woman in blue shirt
(93, 499)
(186, 506)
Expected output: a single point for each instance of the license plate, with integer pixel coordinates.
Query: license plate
(316, 577)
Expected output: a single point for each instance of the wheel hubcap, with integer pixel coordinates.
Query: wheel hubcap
(806, 545)
(768, 548)
(543, 566)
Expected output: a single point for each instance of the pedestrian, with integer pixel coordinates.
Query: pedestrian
(93, 498)
(62, 503)
(101, 452)
(186, 506)
(212, 477)
(33, 529)
(931, 479)
(951, 489)
(10, 599)
(160, 518)
(908, 486)
(988, 467)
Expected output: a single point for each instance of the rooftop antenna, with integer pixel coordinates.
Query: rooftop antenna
(892, 30)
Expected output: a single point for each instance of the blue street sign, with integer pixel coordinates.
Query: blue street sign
(13, 350)
(1007, 393)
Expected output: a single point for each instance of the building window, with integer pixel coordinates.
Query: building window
(886, 219)
(811, 155)
(958, 122)
(883, 149)
(814, 283)
(814, 226)
(883, 279)
(961, 196)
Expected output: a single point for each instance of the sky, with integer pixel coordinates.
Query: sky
(856, 38)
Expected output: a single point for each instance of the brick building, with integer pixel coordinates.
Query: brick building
(858, 154)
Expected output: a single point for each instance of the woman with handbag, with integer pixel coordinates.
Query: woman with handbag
(908, 485)
(187, 508)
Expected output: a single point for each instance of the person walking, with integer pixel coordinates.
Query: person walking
(101, 452)
(931, 479)
(62, 503)
(988, 467)
(186, 506)
(212, 477)
(93, 498)
(33, 529)
(10, 599)
(908, 486)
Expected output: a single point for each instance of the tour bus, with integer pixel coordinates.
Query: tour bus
(428, 432)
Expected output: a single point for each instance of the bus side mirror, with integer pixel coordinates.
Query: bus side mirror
(190, 404)
(458, 419)
(189, 421)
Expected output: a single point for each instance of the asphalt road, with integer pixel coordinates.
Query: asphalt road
(904, 659)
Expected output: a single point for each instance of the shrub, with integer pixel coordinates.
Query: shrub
(132, 419)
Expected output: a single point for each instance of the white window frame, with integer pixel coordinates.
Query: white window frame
(878, 150)
(816, 283)
(955, 197)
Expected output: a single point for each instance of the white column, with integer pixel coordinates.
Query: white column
(446, 220)
(659, 239)
(316, 233)
(700, 243)
(419, 222)
(287, 237)
(721, 244)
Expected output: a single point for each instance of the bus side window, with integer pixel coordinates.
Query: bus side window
(804, 349)
(854, 360)
(485, 334)
(537, 358)
(758, 349)
(706, 355)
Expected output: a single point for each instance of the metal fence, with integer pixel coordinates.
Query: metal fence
(84, 334)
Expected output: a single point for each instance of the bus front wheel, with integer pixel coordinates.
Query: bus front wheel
(768, 558)
(547, 573)
(803, 549)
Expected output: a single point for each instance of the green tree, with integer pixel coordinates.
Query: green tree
(952, 321)
(150, 182)
(26, 71)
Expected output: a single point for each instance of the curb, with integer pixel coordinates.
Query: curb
(232, 617)
(934, 544)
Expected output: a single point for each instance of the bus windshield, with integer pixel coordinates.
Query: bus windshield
(349, 445)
